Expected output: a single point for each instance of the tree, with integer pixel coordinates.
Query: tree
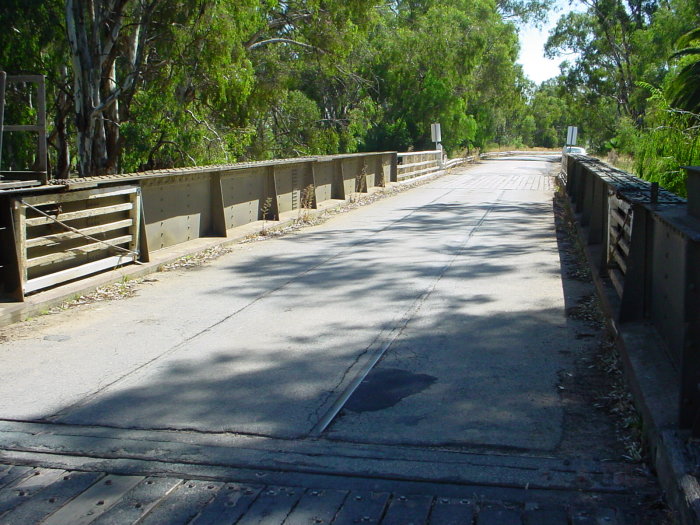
(153, 84)
(100, 32)
(684, 88)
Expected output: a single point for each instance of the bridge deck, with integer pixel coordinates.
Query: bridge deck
(410, 360)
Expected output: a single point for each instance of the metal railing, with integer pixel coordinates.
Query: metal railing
(69, 229)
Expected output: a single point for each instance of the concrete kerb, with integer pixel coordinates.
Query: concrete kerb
(654, 386)
(39, 303)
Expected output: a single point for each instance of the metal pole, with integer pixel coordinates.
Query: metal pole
(3, 80)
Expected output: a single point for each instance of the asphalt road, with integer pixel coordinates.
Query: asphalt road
(459, 283)
(422, 345)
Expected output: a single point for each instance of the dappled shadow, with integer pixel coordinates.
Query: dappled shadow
(495, 384)
(465, 296)
(381, 261)
(486, 322)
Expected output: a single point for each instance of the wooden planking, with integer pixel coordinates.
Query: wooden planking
(33, 483)
(451, 511)
(362, 507)
(423, 163)
(617, 279)
(94, 501)
(317, 506)
(139, 501)
(412, 174)
(623, 244)
(14, 184)
(404, 510)
(71, 253)
(273, 505)
(56, 238)
(81, 214)
(182, 504)
(230, 503)
(9, 474)
(37, 508)
(620, 260)
(52, 279)
(84, 195)
(60, 262)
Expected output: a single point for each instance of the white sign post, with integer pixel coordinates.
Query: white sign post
(436, 137)
(571, 134)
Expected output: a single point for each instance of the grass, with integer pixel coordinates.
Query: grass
(622, 161)
(308, 197)
(265, 212)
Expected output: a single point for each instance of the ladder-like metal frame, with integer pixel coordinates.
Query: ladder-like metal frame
(41, 171)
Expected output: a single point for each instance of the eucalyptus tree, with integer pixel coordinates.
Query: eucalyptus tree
(448, 61)
(107, 40)
(620, 48)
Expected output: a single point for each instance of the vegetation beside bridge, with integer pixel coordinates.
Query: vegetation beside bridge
(148, 84)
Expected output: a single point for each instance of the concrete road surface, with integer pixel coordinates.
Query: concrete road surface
(458, 282)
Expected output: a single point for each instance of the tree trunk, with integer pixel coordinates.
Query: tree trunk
(96, 37)
(61, 142)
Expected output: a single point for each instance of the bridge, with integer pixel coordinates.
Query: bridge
(380, 338)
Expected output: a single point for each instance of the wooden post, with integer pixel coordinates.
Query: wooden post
(135, 230)
(144, 252)
(42, 159)
(3, 81)
(19, 220)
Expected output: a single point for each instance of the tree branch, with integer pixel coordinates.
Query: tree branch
(285, 41)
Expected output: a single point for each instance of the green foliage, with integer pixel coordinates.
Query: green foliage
(672, 141)
(684, 88)
(28, 44)
(629, 100)
(227, 80)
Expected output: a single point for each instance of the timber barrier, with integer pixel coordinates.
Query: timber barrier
(645, 242)
(68, 229)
